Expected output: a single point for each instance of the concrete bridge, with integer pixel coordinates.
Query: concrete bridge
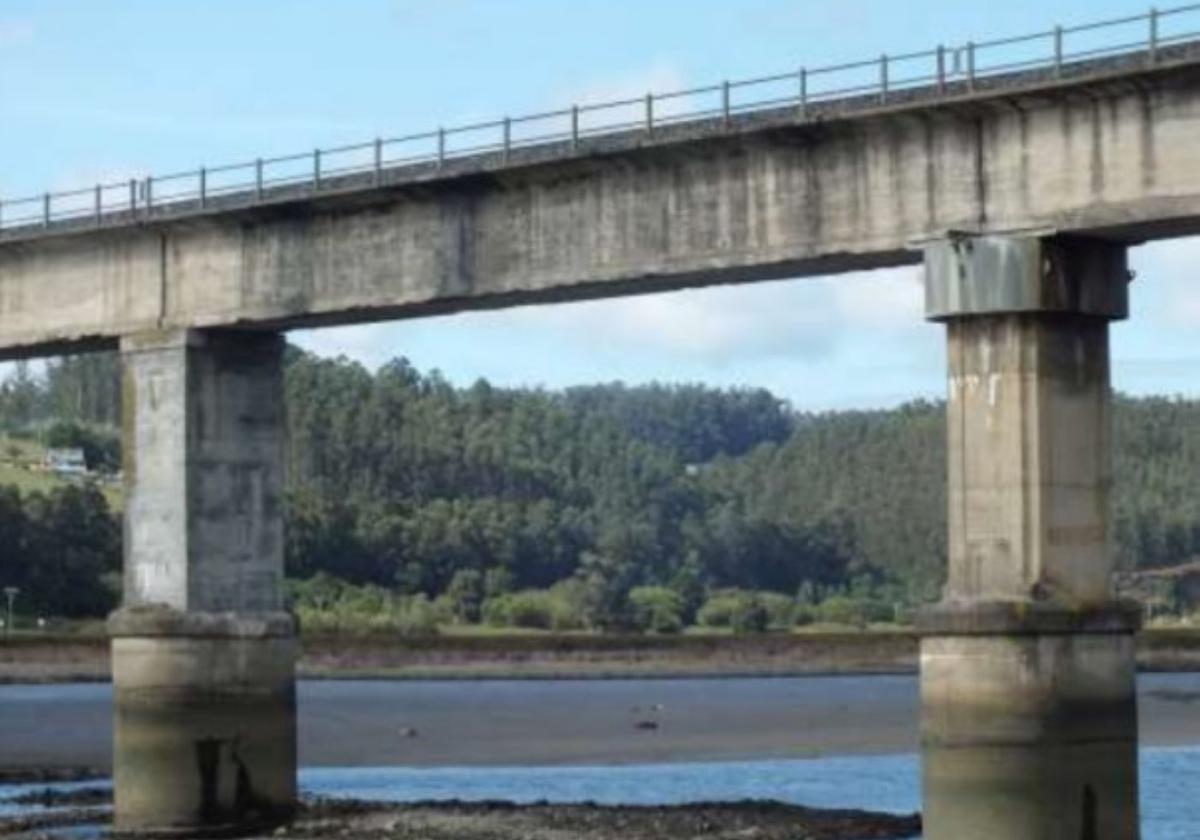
(1021, 191)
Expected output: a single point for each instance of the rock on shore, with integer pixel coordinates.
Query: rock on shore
(325, 820)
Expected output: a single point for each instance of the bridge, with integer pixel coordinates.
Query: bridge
(1019, 171)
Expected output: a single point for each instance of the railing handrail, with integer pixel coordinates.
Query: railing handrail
(967, 63)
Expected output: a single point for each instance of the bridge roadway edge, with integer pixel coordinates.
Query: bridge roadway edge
(1110, 154)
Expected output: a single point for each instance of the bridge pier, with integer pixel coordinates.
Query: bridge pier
(202, 652)
(1028, 703)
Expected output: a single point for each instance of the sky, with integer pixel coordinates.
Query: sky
(93, 91)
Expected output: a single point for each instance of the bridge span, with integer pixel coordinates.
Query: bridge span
(1020, 189)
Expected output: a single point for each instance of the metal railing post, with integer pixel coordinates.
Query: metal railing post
(950, 74)
(1154, 13)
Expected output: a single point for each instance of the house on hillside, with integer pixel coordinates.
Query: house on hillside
(66, 462)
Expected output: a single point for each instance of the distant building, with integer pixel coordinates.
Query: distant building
(66, 461)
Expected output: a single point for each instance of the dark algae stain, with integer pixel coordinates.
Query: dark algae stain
(246, 803)
(1089, 830)
(244, 800)
(208, 762)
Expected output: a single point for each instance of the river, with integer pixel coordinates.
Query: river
(836, 741)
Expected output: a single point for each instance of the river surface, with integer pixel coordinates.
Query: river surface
(837, 741)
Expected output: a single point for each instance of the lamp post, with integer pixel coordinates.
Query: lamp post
(10, 592)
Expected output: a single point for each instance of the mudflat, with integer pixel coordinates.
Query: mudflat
(569, 722)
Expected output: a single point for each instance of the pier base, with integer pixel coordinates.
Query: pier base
(204, 722)
(203, 656)
(1029, 726)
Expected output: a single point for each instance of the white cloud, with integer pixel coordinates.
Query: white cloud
(715, 325)
(658, 77)
(885, 300)
(1172, 268)
(799, 320)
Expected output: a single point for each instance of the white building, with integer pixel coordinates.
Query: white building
(66, 461)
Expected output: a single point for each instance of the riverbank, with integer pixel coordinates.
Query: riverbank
(70, 658)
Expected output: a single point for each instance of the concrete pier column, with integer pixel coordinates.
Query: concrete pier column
(1028, 704)
(202, 652)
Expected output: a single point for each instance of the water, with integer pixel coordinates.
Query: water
(1170, 776)
(800, 741)
(1169, 800)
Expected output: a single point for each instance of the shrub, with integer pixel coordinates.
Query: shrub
(718, 609)
(780, 609)
(855, 612)
(465, 595)
(531, 609)
(804, 615)
(747, 612)
(656, 609)
(750, 616)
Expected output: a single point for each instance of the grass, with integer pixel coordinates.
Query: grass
(26, 481)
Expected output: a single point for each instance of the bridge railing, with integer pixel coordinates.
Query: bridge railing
(875, 81)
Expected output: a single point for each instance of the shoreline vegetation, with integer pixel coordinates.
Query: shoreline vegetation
(83, 657)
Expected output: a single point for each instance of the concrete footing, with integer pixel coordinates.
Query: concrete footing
(1029, 730)
(204, 722)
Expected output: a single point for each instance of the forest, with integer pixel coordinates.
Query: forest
(412, 503)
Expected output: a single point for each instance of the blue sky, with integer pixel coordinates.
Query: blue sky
(98, 90)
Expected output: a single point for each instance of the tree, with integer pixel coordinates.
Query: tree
(72, 543)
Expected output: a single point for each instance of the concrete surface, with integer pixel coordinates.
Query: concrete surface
(1115, 153)
(203, 464)
(1028, 698)
(203, 662)
(204, 722)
